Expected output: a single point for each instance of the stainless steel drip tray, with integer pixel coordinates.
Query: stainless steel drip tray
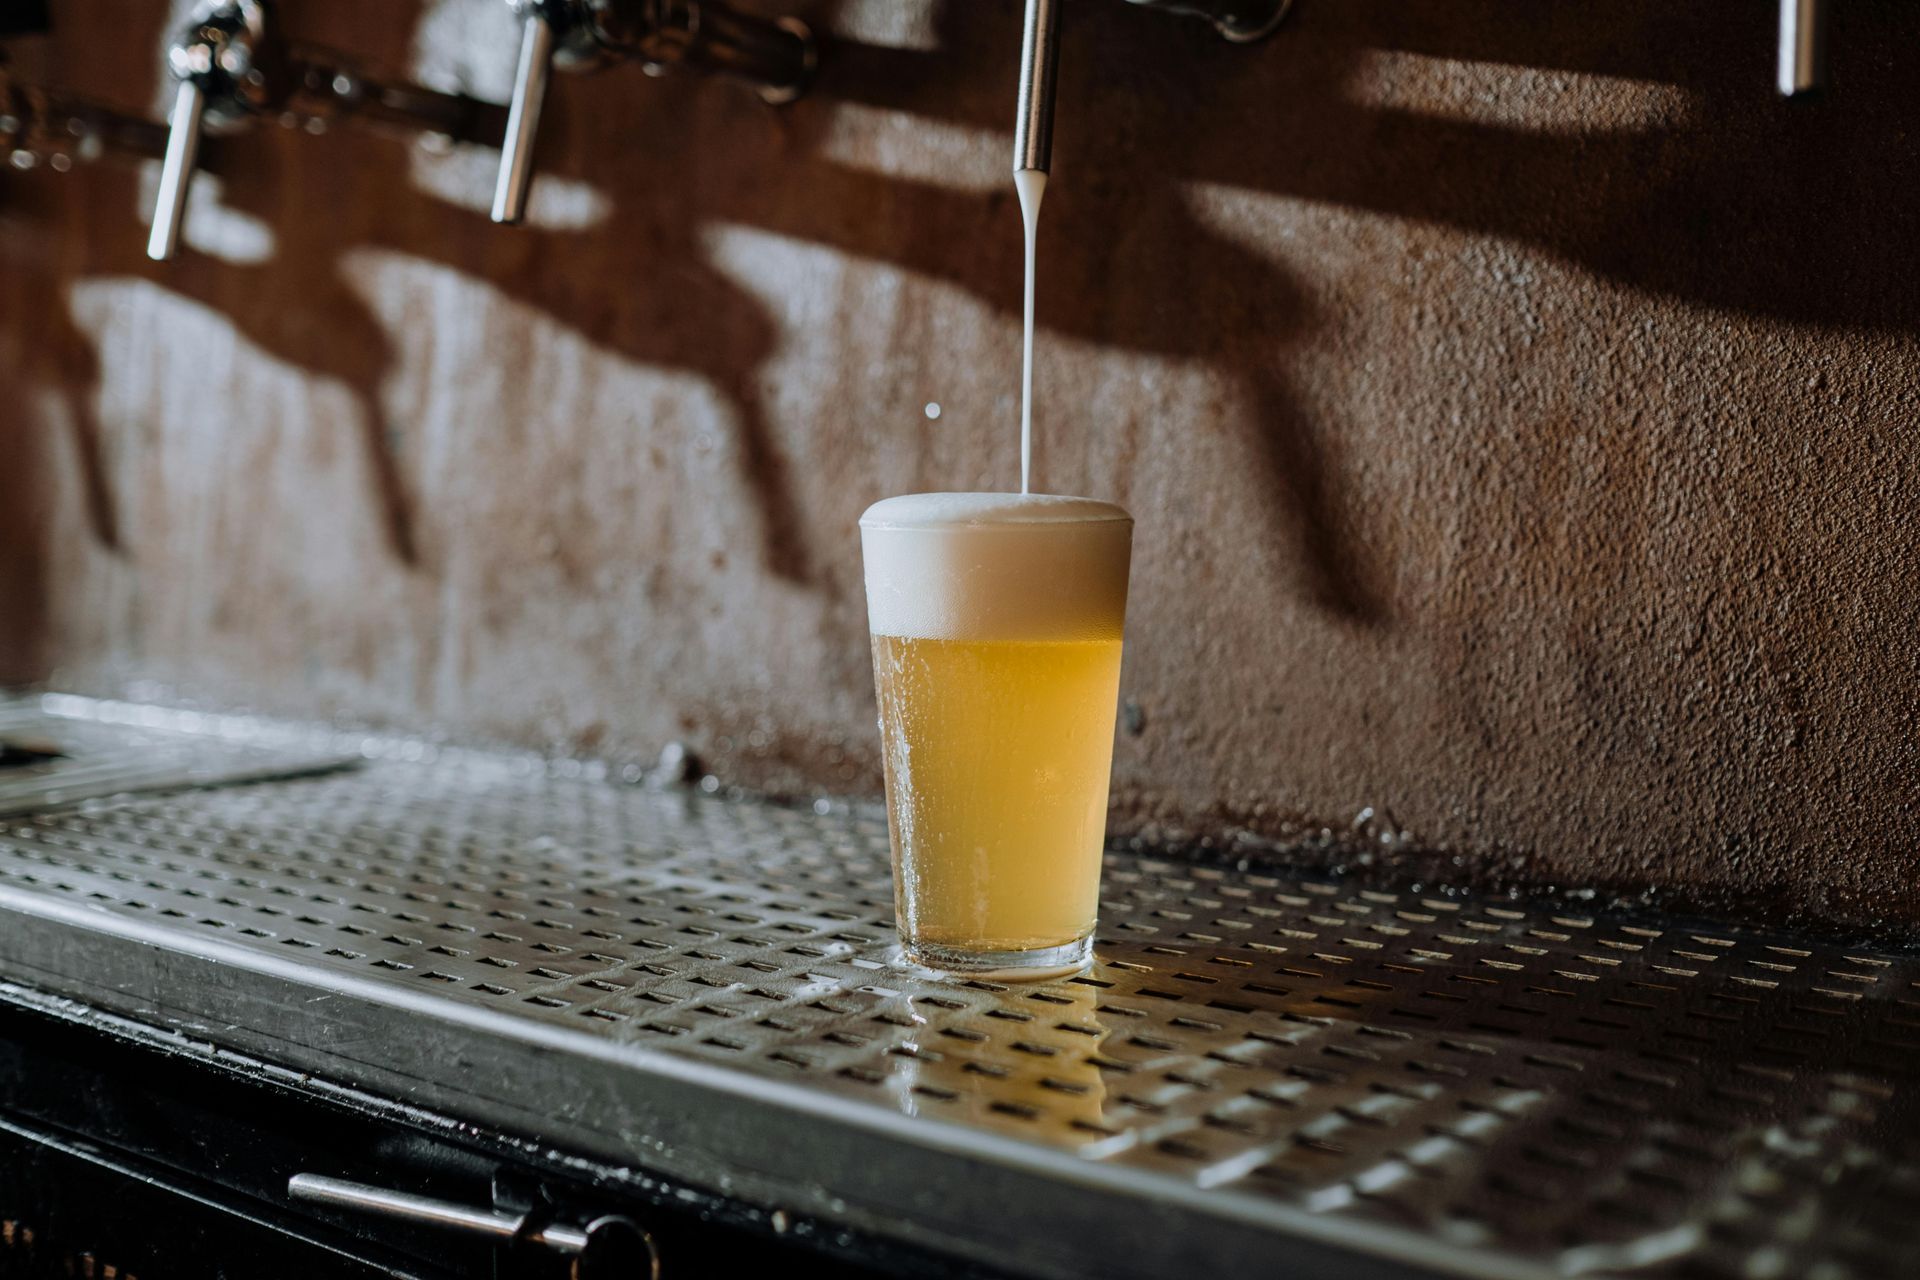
(1263, 1073)
(62, 749)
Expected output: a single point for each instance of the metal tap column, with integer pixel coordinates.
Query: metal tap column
(1803, 47)
(1039, 57)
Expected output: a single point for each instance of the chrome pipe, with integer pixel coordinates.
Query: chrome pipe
(1039, 60)
(1803, 47)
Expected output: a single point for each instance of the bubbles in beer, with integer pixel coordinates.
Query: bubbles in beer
(996, 623)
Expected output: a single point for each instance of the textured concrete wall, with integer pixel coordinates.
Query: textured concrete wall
(1518, 406)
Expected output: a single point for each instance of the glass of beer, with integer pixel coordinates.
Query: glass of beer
(996, 621)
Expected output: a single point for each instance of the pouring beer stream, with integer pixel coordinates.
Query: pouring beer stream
(996, 623)
(1032, 159)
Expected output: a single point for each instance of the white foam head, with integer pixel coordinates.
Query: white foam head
(996, 566)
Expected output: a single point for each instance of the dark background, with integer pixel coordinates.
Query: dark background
(1516, 400)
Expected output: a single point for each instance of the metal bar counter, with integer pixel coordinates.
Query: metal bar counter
(1264, 1074)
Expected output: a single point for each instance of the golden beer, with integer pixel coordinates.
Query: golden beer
(996, 622)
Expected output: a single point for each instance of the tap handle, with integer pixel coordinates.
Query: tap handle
(225, 62)
(523, 117)
(176, 170)
(1803, 47)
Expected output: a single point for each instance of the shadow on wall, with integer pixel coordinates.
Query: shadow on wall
(24, 599)
(1690, 199)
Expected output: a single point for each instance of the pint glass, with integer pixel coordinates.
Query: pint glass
(996, 623)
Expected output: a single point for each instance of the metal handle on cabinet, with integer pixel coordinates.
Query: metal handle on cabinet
(523, 118)
(607, 1247)
(176, 170)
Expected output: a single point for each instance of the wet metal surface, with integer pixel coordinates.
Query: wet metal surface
(48, 760)
(1456, 1082)
(1505, 396)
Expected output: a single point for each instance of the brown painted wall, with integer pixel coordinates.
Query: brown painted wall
(1518, 405)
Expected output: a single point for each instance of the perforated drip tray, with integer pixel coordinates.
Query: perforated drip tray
(62, 749)
(1264, 1074)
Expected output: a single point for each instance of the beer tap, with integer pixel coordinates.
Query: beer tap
(775, 56)
(232, 63)
(1803, 47)
(1241, 21)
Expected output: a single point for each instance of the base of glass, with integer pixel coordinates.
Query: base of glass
(1032, 965)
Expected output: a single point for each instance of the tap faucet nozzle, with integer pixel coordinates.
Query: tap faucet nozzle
(1039, 60)
(776, 57)
(1803, 47)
